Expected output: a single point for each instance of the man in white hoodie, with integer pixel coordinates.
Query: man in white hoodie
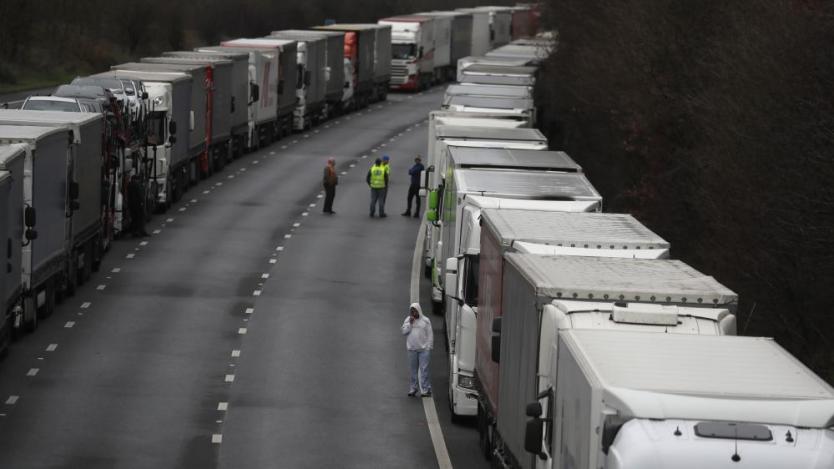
(419, 340)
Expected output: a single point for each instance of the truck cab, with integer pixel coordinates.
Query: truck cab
(412, 51)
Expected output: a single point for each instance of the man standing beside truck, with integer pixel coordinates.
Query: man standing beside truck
(329, 181)
(377, 180)
(419, 340)
(414, 188)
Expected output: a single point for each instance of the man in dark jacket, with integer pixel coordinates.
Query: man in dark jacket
(414, 188)
(136, 206)
(329, 181)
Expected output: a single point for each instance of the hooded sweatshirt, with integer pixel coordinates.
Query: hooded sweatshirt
(419, 335)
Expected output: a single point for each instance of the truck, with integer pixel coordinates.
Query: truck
(88, 225)
(499, 75)
(522, 23)
(621, 400)
(523, 107)
(236, 106)
(412, 51)
(312, 84)
(164, 162)
(334, 69)
(382, 61)
(502, 91)
(360, 50)
(515, 228)
(47, 193)
(444, 67)
(461, 38)
(466, 188)
(287, 77)
(533, 53)
(500, 25)
(8, 283)
(538, 296)
(265, 126)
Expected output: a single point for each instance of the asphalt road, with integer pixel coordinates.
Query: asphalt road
(250, 331)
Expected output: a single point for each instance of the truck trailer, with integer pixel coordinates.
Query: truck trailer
(539, 296)
(444, 43)
(86, 212)
(43, 170)
(502, 91)
(523, 107)
(487, 74)
(511, 228)
(361, 51)
(629, 399)
(461, 38)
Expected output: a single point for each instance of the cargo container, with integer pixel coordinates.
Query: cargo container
(265, 126)
(496, 231)
(287, 83)
(523, 22)
(334, 75)
(627, 400)
(534, 54)
(500, 91)
(87, 220)
(500, 24)
(382, 62)
(480, 39)
(361, 51)
(484, 60)
(45, 191)
(312, 84)
(444, 67)
(523, 107)
(239, 96)
(499, 75)
(9, 286)
(539, 296)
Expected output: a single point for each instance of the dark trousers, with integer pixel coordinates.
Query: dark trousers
(329, 195)
(413, 192)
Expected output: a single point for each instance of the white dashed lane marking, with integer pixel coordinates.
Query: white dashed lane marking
(143, 243)
(279, 248)
(130, 256)
(296, 225)
(51, 347)
(12, 400)
(217, 438)
(250, 310)
(287, 236)
(157, 231)
(235, 353)
(273, 261)
(169, 220)
(223, 406)
(230, 378)
(242, 331)
(69, 324)
(85, 305)
(32, 372)
(264, 276)
(101, 287)
(256, 293)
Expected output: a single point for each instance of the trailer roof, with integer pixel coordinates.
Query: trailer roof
(572, 229)
(415, 18)
(177, 67)
(246, 49)
(148, 75)
(498, 69)
(702, 377)
(226, 52)
(475, 89)
(511, 158)
(314, 31)
(644, 280)
(47, 117)
(537, 52)
(304, 34)
(190, 57)
(348, 27)
(489, 133)
(497, 61)
(26, 133)
(532, 185)
(264, 42)
(491, 102)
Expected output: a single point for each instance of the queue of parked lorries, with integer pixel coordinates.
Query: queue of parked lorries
(573, 338)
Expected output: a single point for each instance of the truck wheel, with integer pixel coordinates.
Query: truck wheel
(437, 308)
(49, 301)
(427, 271)
(31, 323)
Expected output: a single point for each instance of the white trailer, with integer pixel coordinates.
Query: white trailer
(334, 69)
(503, 91)
(539, 296)
(623, 400)
(45, 192)
(9, 285)
(444, 65)
(484, 60)
(487, 74)
(312, 84)
(84, 241)
(523, 107)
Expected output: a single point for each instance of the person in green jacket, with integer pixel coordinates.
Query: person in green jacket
(377, 180)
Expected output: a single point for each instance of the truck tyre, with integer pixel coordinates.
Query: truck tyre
(30, 324)
(437, 308)
(48, 306)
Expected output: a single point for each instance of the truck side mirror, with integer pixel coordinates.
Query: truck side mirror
(533, 436)
(172, 127)
(533, 409)
(172, 139)
(31, 234)
(254, 92)
(144, 95)
(29, 217)
(496, 340)
(347, 85)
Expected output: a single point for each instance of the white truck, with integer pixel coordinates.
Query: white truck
(523, 107)
(312, 85)
(469, 188)
(85, 211)
(444, 35)
(533, 53)
(484, 60)
(623, 400)
(515, 228)
(169, 95)
(480, 39)
(412, 51)
(461, 37)
(500, 24)
(42, 168)
(487, 74)
(528, 299)
(7, 281)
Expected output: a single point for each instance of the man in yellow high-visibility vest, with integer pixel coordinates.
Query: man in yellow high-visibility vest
(377, 180)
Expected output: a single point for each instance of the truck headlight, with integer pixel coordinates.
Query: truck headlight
(467, 382)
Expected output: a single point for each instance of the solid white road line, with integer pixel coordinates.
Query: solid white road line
(436, 432)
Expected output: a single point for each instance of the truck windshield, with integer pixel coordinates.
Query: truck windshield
(403, 51)
(49, 105)
(156, 128)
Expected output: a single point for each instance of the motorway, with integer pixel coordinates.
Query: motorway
(250, 330)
